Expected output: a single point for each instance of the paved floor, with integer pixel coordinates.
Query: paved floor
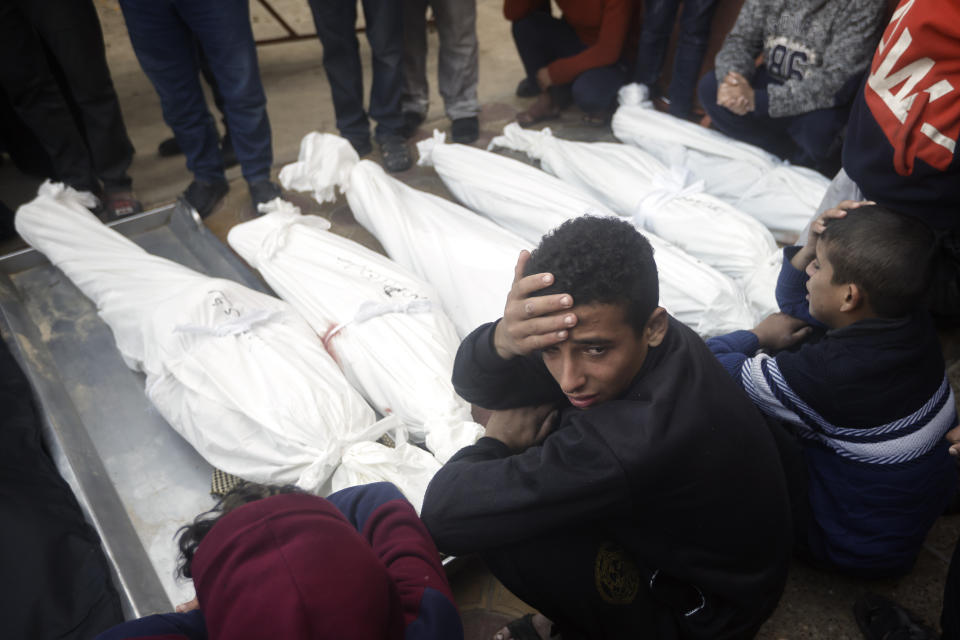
(815, 605)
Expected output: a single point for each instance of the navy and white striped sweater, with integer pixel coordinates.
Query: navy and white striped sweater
(871, 404)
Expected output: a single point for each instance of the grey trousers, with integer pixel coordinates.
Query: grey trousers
(457, 61)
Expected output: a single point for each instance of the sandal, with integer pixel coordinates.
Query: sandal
(542, 109)
(521, 629)
(597, 119)
(882, 619)
(121, 204)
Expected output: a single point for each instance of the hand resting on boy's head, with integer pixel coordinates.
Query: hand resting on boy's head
(522, 427)
(779, 331)
(532, 322)
(808, 252)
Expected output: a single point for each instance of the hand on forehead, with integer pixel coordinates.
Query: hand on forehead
(532, 321)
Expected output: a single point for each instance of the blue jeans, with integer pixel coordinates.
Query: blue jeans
(336, 26)
(809, 139)
(658, 19)
(541, 39)
(162, 33)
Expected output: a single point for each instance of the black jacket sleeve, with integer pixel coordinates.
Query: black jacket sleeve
(484, 378)
(484, 497)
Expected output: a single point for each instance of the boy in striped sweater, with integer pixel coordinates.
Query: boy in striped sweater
(860, 408)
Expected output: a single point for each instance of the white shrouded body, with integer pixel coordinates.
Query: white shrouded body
(782, 196)
(237, 373)
(633, 183)
(382, 324)
(530, 203)
(468, 260)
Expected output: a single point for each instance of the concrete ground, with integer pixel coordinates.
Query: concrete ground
(815, 604)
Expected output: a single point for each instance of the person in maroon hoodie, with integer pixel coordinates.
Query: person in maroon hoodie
(358, 564)
(578, 57)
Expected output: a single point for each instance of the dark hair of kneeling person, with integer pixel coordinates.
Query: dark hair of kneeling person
(624, 485)
(275, 562)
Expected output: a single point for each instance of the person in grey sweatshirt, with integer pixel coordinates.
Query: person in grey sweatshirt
(795, 103)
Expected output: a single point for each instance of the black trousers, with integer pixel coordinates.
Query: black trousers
(945, 284)
(585, 584)
(96, 150)
(56, 583)
(950, 617)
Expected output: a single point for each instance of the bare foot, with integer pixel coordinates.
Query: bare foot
(541, 625)
(542, 109)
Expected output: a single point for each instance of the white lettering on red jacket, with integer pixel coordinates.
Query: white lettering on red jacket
(912, 86)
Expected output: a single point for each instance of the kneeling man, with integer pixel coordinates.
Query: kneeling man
(625, 485)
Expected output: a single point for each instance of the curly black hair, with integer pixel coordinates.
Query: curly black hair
(600, 259)
(887, 254)
(191, 535)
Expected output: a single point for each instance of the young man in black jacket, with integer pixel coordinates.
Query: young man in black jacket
(625, 485)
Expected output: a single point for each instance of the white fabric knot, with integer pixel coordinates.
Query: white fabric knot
(667, 186)
(635, 95)
(531, 142)
(425, 148)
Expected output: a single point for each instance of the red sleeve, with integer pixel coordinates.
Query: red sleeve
(605, 46)
(402, 543)
(513, 10)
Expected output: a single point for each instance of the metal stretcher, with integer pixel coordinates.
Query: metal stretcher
(136, 479)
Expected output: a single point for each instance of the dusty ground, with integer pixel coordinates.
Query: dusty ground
(815, 605)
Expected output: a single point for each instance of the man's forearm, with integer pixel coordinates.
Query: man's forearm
(484, 378)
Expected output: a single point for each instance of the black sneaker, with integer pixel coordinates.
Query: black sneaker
(7, 230)
(204, 196)
(361, 145)
(528, 88)
(263, 191)
(169, 147)
(411, 122)
(465, 130)
(883, 619)
(396, 155)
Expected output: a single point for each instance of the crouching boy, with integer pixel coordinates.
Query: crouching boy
(866, 404)
(275, 562)
(625, 487)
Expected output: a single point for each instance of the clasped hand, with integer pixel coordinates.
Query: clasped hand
(522, 427)
(736, 94)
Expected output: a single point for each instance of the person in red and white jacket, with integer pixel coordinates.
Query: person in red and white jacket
(901, 144)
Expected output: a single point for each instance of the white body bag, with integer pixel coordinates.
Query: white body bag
(632, 183)
(382, 324)
(530, 203)
(237, 373)
(782, 196)
(468, 260)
